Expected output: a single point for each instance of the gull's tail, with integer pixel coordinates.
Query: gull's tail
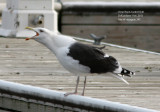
(124, 72)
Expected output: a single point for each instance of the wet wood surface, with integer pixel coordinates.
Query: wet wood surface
(29, 62)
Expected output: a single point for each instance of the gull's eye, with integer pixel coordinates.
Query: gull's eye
(41, 30)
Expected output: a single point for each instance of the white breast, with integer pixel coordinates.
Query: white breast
(69, 63)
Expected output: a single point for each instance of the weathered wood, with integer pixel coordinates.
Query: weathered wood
(29, 62)
(109, 7)
(143, 37)
(116, 20)
(107, 20)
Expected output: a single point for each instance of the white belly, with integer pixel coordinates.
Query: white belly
(69, 63)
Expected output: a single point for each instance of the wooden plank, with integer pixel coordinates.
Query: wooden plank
(114, 31)
(32, 107)
(114, 0)
(40, 108)
(24, 106)
(48, 73)
(49, 109)
(143, 37)
(108, 20)
(6, 102)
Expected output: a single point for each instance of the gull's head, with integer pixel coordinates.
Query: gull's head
(41, 34)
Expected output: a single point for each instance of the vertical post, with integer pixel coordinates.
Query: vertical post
(19, 14)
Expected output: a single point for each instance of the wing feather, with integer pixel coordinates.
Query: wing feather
(92, 57)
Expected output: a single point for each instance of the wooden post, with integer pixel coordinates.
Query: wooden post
(19, 14)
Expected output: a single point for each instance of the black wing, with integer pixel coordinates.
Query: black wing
(93, 58)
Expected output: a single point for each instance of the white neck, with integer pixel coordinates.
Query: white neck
(56, 41)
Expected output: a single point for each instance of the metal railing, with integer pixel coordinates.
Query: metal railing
(24, 98)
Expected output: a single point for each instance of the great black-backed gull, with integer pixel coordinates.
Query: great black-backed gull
(79, 58)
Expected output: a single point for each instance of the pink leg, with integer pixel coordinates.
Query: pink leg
(76, 89)
(84, 85)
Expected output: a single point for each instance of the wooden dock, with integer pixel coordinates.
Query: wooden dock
(123, 24)
(29, 62)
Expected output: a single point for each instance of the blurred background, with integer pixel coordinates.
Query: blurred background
(132, 23)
